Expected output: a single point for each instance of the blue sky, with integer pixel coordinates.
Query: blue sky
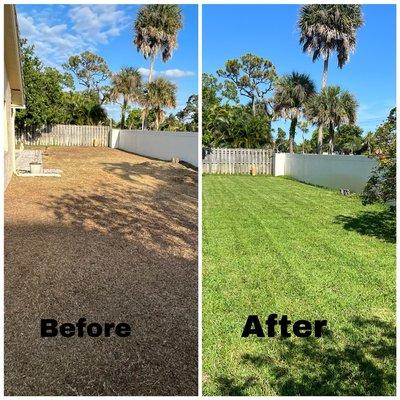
(270, 31)
(59, 31)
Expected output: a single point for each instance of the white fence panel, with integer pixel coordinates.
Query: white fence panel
(237, 161)
(158, 144)
(331, 171)
(65, 135)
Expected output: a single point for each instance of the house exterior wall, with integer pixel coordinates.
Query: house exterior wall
(14, 96)
(162, 145)
(9, 137)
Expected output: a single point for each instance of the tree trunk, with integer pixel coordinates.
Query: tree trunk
(292, 133)
(151, 68)
(123, 111)
(142, 121)
(324, 83)
(268, 133)
(302, 134)
(320, 136)
(325, 72)
(144, 112)
(253, 106)
(331, 138)
(330, 144)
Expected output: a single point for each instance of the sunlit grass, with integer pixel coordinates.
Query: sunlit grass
(274, 245)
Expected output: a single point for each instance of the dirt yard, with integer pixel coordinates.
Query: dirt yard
(113, 240)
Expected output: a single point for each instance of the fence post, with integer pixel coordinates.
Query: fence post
(278, 164)
(110, 134)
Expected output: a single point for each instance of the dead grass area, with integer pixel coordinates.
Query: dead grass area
(113, 240)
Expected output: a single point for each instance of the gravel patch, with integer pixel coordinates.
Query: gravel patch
(25, 157)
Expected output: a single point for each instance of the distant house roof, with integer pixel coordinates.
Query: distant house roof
(12, 56)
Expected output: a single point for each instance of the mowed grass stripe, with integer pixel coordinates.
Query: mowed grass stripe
(302, 242)
(276, 245)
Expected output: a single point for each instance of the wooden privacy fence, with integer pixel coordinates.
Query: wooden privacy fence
(237, 161)
(65, 135)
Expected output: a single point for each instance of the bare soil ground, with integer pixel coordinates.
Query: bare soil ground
(113, 240)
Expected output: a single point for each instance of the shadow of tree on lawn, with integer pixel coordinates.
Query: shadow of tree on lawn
(365, 365)
(160, 171)
(380, 224)
(228, 386)
(149, 204)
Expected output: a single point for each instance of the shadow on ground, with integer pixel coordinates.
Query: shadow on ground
(119, 245)
(365, 366)
(380, 224)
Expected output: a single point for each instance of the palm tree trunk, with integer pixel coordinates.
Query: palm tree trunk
(325, 72)
(292, 133)
(324, 83)
(320, 137)
(302, 134)
(330, 145)
(157, 120)
(152, 59)
(331, 138)
(144, 112)
(123, 111)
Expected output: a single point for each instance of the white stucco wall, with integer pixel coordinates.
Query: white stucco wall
(161, 145)
(331, 171)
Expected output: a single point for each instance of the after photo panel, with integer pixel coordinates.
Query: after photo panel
(299, 193)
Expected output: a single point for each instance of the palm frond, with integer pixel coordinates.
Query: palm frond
(156, 29)
(329, 27)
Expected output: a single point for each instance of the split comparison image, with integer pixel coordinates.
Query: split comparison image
(176, 226)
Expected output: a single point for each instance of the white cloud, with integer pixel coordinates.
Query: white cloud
(169, 73)
(83, 27)
(144, 71)
(52, 43)
(97, 23)
(177, 73)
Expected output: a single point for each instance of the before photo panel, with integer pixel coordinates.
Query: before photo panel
(100, 170)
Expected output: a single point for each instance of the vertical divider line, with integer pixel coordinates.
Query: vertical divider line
(199, 191)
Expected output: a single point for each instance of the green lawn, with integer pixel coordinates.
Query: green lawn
(274, 245)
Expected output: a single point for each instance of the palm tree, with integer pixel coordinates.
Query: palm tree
(291, 94)
(160, 94)
(327, 28)
(156, 31)
(331, 108)
(304, 130)
(126, 85)
(369, 142)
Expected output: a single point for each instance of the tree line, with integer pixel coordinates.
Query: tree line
(53, 98)
(329, 115)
